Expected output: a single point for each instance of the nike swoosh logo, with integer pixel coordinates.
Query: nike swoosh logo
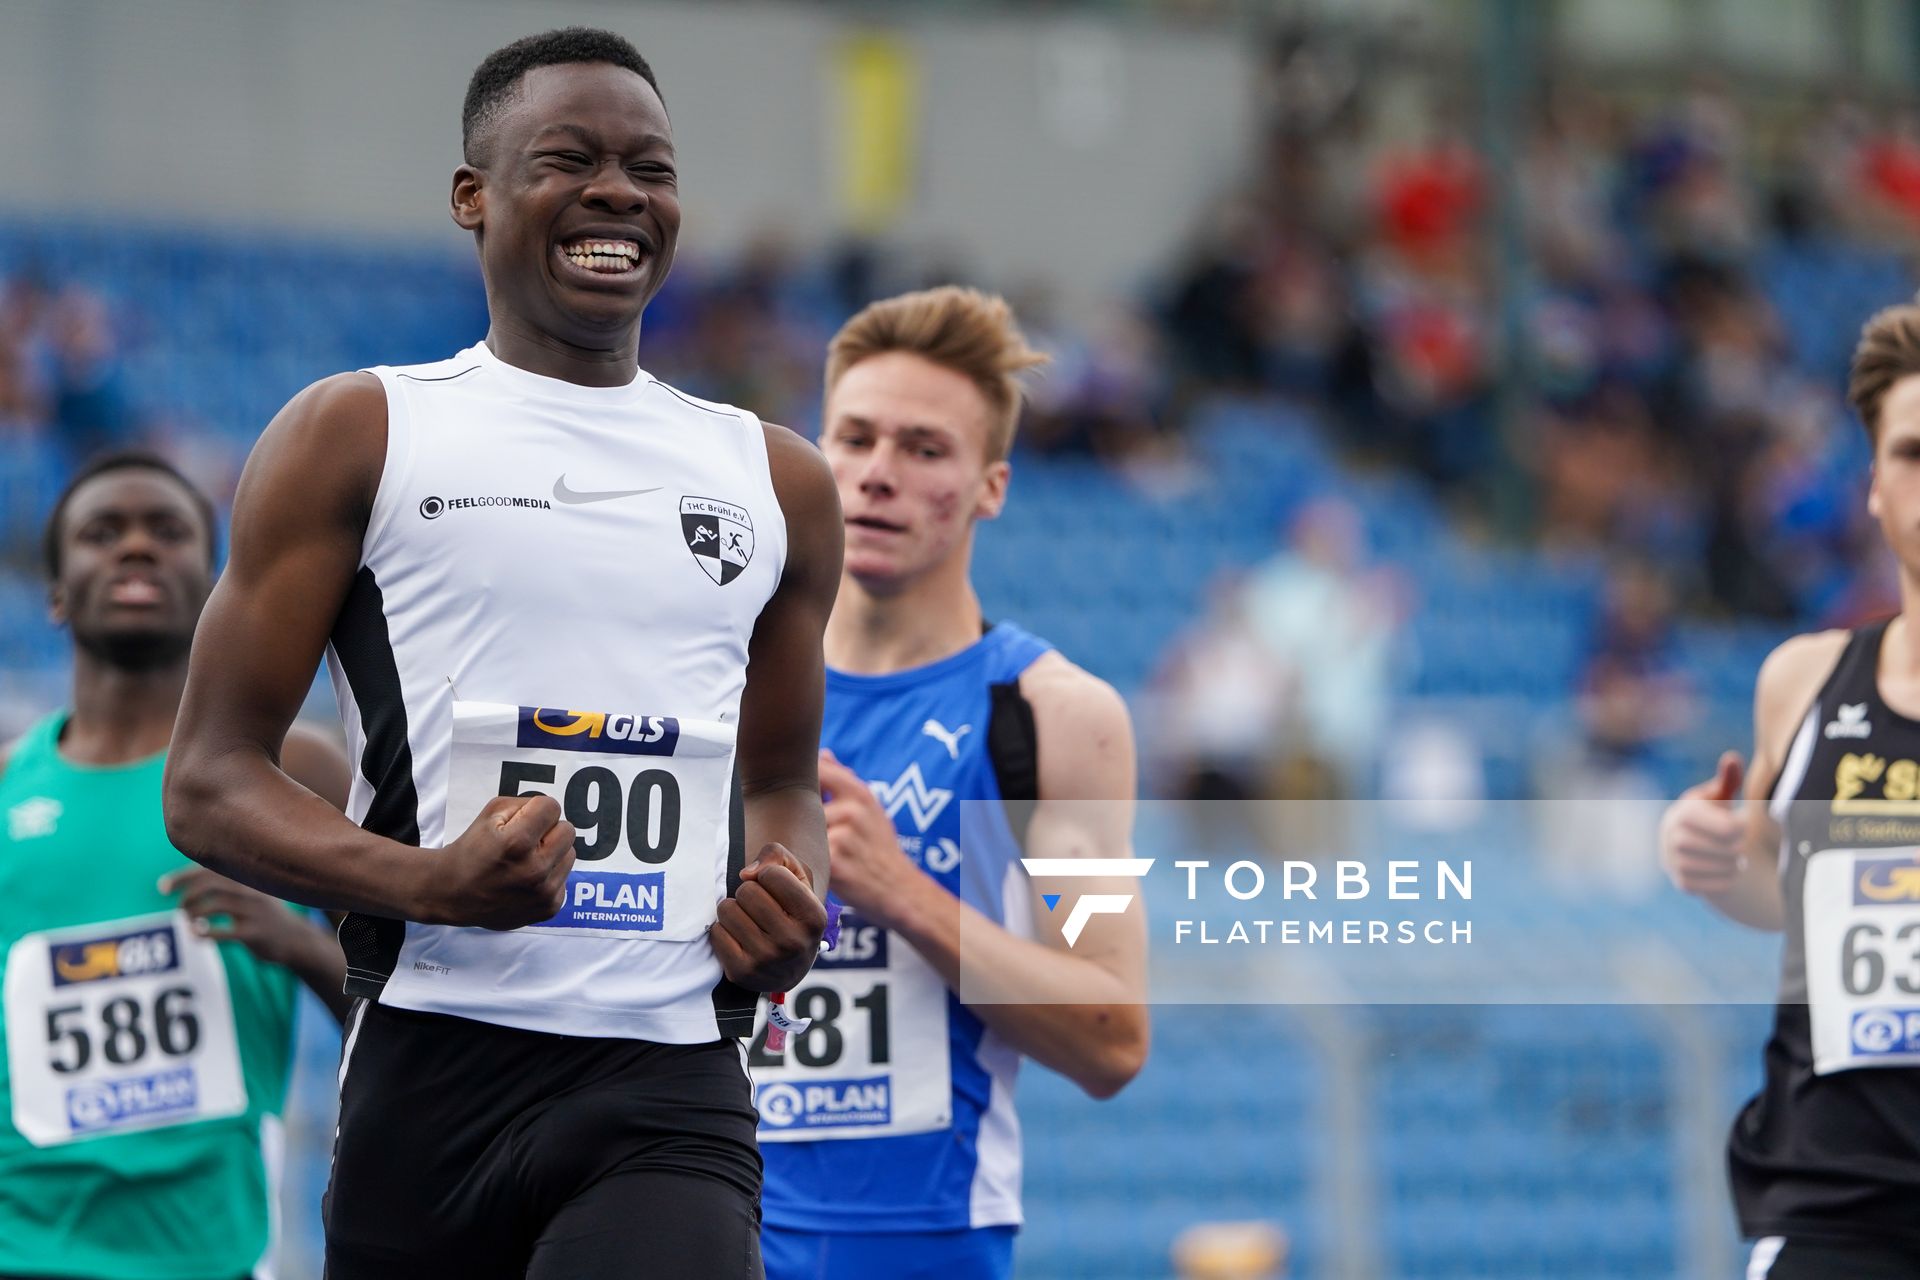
(573, 497)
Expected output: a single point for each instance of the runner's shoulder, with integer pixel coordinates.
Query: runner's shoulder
(793, 458)
(1795, 670)
(1064, 685)
(1086, 723)
(803, 484)
(344, 408)
(331, 437)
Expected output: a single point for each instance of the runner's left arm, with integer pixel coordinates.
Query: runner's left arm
(769, 931)
(1081, 1010)
(263, 924)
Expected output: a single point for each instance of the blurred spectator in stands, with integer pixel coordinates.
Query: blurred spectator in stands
(1332, 622)
(1731, 354)
(733, 346)
(1302, 317)
(1807, 501)
(1104, 397)
(1429, 200)
(1569, 170)
(21, 412)
(1423, 296)
(1047, 424)
(1685, 185)
(1634, 700)
(1886, 178)
(1209, 313)
(1819, 189)
(197, 450)
(1227, 737)
(26, 312)
(1633, 695)
(1222, 697)
(1606, 479)
(1659, 418)
(90, 409)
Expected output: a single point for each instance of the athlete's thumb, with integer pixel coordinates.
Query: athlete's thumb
(1725, 786)
(775, 854)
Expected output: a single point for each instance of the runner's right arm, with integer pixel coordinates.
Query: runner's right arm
(298, 523)
(1730, 858)
(265, 925)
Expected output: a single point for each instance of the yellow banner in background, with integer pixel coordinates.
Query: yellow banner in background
(876, 127)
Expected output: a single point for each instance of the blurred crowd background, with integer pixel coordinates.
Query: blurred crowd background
(1470, 432)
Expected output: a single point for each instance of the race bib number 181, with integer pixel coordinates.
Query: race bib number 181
(647, 797)
(1862, 931)
(875, 1061)
(119, 1026)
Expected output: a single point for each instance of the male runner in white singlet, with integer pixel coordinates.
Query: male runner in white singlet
(574, 623)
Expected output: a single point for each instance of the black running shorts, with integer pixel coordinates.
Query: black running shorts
(472, 1150)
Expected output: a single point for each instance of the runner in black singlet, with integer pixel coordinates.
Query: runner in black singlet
(1825, 1161)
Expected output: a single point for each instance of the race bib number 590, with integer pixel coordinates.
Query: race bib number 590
(647, 797)
(119, 1026)
(1862, 930)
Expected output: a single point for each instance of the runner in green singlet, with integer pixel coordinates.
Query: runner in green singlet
(149, 1004)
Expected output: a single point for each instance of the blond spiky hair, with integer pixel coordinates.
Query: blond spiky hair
(970, 332)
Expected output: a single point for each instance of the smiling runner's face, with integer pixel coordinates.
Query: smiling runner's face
(575, 204)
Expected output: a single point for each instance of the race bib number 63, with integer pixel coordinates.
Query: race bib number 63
(1862, 931)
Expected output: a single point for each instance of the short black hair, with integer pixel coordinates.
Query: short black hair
(496, 77)
(123, 460)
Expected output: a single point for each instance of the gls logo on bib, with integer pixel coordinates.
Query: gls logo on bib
(121, 955)
(1877, 880)
(598, 731)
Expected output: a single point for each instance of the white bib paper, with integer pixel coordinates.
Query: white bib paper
(647, 796)
(875, 1061)
(1862, 932)
(119, 1026)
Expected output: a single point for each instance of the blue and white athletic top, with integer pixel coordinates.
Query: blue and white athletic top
(894, 1112)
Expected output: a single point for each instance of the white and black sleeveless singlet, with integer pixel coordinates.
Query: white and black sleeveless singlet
(556, 593)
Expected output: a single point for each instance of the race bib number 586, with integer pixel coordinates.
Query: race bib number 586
(647, 797)
(1862, 931)
(119, 1026)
